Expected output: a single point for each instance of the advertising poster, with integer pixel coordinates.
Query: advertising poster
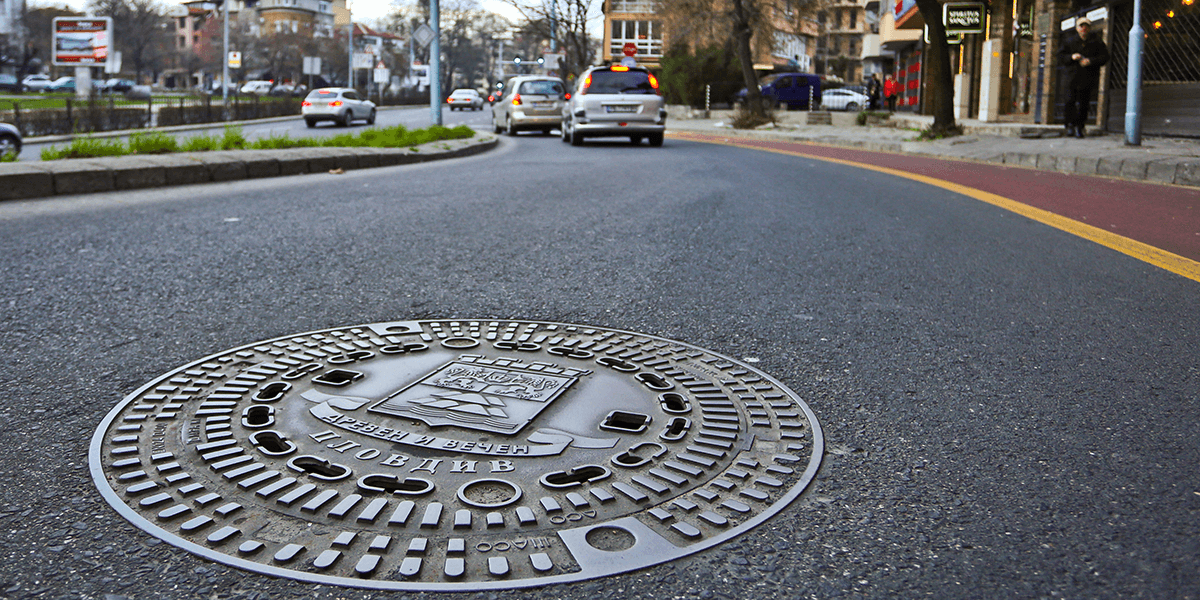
(81, 40)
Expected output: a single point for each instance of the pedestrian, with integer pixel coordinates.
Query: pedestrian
(873, 92)
(889, 92)
(1082, 55)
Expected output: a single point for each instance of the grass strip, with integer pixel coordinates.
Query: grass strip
(397, 136)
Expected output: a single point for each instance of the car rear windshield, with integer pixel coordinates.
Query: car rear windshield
(548, 88)
(620, 82)
(321, 95)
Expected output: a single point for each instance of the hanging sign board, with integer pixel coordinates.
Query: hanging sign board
(80, 41)
(963, 17)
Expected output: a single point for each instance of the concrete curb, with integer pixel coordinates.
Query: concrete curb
(1162, 160)
(84, 176)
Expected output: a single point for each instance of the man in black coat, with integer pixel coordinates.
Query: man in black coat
(1083, 56)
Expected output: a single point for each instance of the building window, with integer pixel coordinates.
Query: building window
(646, 35)
(853, 18)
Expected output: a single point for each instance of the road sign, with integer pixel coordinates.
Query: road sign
(552, 60)
(312, 65)
(382, 75)
(81, 41)
(423, 35)
(363, 60)
(629, 49)
(235, 60)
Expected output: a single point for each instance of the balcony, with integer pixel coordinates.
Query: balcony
(631, 6)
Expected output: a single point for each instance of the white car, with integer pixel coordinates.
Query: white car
(36, 83)
(257, 87)
(842, 99)
(340, 105)
(464, 98)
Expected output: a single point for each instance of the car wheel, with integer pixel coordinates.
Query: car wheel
(9, 146)
(371, 117)
(576, 138)
(496, 128)
(311, 123)
(656, 139)
(852, 107)
(509, 127)
(344, 120)
(565, 135)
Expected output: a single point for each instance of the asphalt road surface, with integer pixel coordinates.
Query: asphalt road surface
(409, 116)
(1010, 411)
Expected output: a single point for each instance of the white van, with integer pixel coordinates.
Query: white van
(257, 87)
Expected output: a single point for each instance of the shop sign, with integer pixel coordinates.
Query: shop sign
(963, 17)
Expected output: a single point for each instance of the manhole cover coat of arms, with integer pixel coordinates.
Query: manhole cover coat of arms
(455, 455)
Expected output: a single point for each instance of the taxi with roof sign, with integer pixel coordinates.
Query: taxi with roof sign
(615, 101)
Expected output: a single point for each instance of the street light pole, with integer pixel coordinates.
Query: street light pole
(1133, 80)
(435, 66)
(225, 59)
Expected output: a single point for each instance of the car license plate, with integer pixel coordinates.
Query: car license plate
(620, 109)
(543, 105)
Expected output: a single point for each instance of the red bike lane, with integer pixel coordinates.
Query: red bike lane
(1163, 217)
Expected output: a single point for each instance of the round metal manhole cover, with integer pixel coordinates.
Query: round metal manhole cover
(455, 455)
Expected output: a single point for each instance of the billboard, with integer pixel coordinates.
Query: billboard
(81, 40)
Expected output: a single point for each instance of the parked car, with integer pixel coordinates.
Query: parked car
(9, 83)
(118, 86)
(62, 84)
(529, 102)
(36, 82)
(844, 99)
(790, 90)
(283, 89)
(340, 105)
(615, 101)
(257, 87)
(463, 99)
(10, 141)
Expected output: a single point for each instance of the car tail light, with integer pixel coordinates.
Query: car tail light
(517, 100)
(306, 103)
(336, 103)
(587, 83)
(568, 96)
(619, 69)
(653, 83)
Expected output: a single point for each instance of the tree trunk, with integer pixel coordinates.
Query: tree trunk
(940, 90)
(741, 37)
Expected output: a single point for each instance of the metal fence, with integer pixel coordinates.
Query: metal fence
(1170, 66)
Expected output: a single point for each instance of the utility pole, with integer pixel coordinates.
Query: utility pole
(225, 59)
(435, 66)
(1133, 84)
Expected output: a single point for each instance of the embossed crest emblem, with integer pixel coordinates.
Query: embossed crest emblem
(467, 393)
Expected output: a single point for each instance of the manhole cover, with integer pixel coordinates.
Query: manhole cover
(455, 455)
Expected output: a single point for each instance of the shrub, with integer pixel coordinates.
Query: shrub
(152, 143)
(86, 147)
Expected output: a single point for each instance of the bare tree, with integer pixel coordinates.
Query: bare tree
(38, 25)
(749, 25)
(566, 22)
(141, 32)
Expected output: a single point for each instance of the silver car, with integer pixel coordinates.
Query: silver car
(530, 102)
(340, 105)
(615, 101)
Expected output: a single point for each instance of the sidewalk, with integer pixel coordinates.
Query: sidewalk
(1157, 160)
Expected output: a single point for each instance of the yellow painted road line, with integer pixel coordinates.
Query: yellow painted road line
(1158, 257)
